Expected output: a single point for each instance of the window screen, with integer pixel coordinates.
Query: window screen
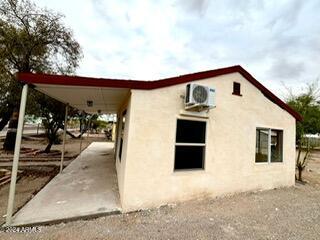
(276, 146)
(262, 145)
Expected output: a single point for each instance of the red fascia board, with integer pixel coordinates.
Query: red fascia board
(31, 78)
(41, 78)
(270, 95)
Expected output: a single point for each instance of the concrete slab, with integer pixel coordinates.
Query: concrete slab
(88, 186)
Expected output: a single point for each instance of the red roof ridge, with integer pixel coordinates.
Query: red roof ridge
(41, 78)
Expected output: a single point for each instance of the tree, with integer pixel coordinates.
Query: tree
(35, 40)
(52, 115)
(308, 105)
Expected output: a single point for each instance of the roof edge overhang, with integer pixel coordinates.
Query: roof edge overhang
(40, 78)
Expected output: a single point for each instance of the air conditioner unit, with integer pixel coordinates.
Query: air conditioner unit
(199, 97)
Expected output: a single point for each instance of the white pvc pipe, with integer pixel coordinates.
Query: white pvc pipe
(64, 138)
(16, 155)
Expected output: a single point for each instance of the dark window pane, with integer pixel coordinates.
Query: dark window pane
(189, 157)
(276, 145)
(188, 95)
(236, 88)
(262, 145)
(120, 149)
(190, 131)
(122, 132)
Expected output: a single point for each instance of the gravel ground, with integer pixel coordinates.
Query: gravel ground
(284, 213)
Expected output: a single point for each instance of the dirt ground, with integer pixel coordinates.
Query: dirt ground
(31, 181)
(312, 171)
(72, 147)
(284, 213)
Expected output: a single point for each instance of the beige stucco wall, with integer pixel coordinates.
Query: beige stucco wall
(121, 165)
(149, 179)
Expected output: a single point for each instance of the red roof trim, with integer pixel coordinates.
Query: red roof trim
(32, 78)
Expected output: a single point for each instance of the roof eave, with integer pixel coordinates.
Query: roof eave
(35, 79)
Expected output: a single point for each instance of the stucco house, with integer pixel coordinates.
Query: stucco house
(165, 152)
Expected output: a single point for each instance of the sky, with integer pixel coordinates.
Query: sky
(277, 41)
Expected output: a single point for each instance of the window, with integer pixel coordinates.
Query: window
(236, 89)
(262, 145)
(122, 133)
(190, 145)
(276, 145)
(269, 144)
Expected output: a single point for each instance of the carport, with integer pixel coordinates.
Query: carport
(92, 95)
(87, 187)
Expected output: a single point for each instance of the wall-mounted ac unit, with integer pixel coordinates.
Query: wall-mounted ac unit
(199, 97)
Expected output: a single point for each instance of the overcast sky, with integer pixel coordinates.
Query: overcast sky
(277, 41)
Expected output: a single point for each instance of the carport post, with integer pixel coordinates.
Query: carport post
(64, 137)
(16, 155)
(81, 139)
(80, 145)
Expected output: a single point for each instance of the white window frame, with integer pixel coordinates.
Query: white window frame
(191, 144)
(269, 145)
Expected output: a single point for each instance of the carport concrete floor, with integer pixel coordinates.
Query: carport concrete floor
(86, 187)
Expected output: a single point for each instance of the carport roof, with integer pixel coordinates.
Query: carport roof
(46, 79)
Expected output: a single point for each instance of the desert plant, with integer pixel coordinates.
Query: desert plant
(308, 105)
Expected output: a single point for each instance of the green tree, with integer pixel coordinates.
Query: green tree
(308, 105)
(32, 39)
